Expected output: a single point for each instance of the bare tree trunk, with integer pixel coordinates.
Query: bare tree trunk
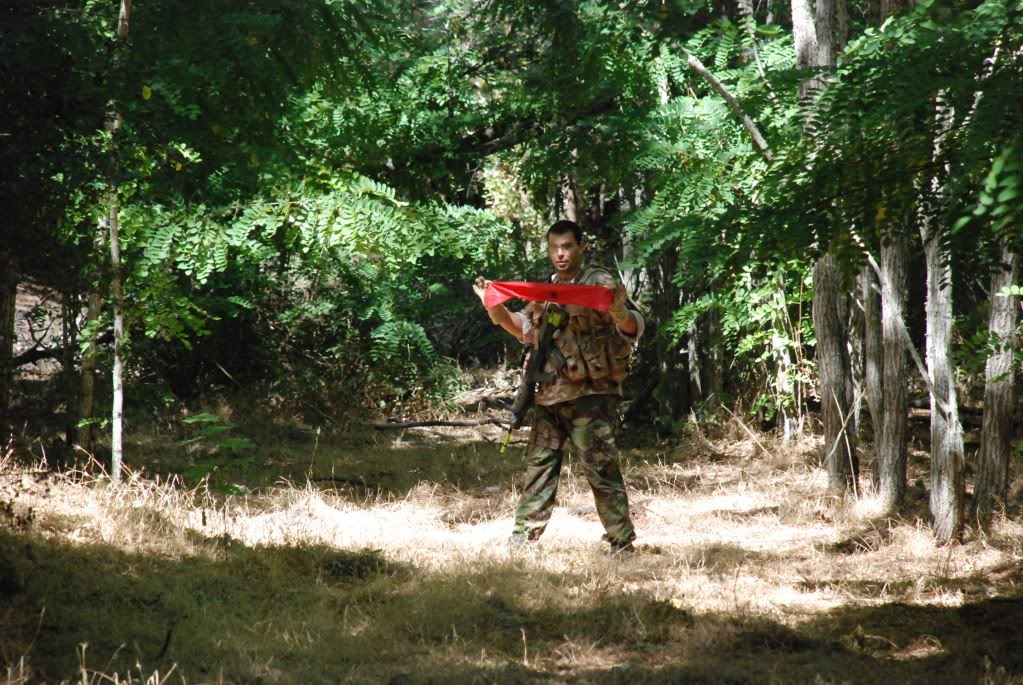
(947, 486)
(855, 325)
(947, 477)
(87, 384)
(713, 355)
(674, 390)
(8, 308)
(891, 448)
(114, 124)
(117, 373)
(813, 27)
(996, 434)
(695, 362)
(69, 340)
(833, 365)
(872, 360)
(569, 206)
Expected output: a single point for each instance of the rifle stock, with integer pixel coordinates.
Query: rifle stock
(533, 372)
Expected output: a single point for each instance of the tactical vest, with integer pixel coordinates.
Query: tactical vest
(587, 344)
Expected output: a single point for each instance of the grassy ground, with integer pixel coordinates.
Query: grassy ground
(378, 558)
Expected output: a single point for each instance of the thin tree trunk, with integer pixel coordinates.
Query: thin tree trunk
(69, 339)
(872, 360)
(8, 307)
(813, 28)
(114, 124)
(695, 362)
(87, 384)
(947, 485)
(117, 373)
(833, 365)
(569, 205)
(857, 349)
(713, 356)
(996, 434)
(947, 476)
(891, 449)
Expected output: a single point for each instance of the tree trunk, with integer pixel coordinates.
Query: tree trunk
(695, 362)
(891, 449)
(996, 434)
(8, 308)
(69, 340)
(947, 484)
(87, 384)
(114, 125)
(713, 356)
(569, 205)
(117, 373)
(872, 360)
(947, 477)
(813, 28)
(855, 326)
(833, 366)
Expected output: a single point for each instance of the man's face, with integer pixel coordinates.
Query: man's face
(566, 253)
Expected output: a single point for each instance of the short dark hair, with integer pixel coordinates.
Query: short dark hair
(565, 226)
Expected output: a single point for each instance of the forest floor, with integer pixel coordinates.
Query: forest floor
(378, 557)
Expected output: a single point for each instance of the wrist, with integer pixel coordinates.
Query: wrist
(619, 314)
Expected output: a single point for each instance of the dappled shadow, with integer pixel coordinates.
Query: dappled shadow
(319, 613)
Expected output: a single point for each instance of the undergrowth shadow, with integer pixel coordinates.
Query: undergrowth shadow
(315, 613)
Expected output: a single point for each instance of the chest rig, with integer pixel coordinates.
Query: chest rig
(587, 345)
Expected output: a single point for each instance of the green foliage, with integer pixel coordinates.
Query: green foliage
(225, 457)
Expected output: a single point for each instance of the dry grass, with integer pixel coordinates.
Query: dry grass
(383, 562)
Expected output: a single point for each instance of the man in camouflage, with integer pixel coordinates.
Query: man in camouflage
(588, 364)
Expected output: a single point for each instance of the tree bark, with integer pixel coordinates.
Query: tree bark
(993, 460)
(114, 124)
(947, 476)
(872, 360)
(813, 28)
(834, 368)
(8, 308)
(947, 485)
(69, 341)
(891, 449)
(87, 384)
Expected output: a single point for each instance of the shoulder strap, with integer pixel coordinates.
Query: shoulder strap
(591, 273)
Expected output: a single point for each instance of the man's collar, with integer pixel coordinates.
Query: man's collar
(580, 272)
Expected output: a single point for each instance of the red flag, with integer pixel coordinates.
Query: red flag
(593, 296)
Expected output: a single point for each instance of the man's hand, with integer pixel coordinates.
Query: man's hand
(480, 287)
(618, 302)
(620, 314)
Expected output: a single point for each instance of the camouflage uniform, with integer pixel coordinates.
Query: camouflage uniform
(580, 405)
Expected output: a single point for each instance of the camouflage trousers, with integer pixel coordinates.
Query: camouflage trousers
(588, 422)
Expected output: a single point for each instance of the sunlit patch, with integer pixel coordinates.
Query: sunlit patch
(922, 647)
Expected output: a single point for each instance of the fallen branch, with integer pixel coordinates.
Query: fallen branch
(424, 424)
(748, 431)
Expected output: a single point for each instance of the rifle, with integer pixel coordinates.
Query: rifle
(534, 373)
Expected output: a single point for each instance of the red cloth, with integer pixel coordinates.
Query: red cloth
(592, 296)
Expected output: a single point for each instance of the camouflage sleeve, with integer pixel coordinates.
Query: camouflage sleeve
(640, 327)
(605, 279)
(525, 316)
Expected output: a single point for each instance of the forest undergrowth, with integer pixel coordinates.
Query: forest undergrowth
(378, 557)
